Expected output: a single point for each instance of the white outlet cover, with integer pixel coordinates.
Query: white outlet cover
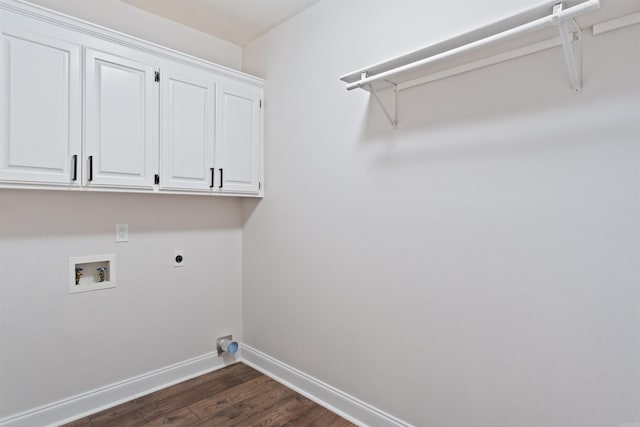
(122, 233)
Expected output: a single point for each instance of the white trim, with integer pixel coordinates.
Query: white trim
(84, 404)
(120, 190)
(617, 23)
(323, 394)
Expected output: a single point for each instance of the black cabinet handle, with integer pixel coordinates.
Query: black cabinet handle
(75, 167)
(90, 168)
(221, 179)
(213, 172)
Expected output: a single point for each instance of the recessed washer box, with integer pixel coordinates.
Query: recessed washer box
(92, 273)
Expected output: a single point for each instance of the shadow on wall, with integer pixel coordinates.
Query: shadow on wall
(34, 213)
(494, 110)
(499, 91)
(249, 205)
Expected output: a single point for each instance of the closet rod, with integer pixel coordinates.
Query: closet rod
(556, 18)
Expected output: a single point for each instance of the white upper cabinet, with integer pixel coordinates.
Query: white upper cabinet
(239, 138)
(121, 120)
(40, 103)
(85, 108)
(188, 128)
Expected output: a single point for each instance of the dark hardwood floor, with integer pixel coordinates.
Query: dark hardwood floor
(233, 396)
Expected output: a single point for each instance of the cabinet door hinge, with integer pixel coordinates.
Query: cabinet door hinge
(156, 179)
(157, 76)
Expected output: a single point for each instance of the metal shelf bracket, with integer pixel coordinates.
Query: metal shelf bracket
(391, 113)
(571, 37)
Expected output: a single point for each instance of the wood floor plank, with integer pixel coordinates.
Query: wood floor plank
(225, 418)
(176, 401)
(82, 422)
(129, 419)
(107, 416)
(319, 417)
(258, 403)
(180, 418)
(281, 412)
(190, 384)
(235, 396)
(226, 398)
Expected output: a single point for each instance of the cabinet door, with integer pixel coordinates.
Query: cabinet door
(187, 138)
(239, 137)
(121, 119)
(40, 103)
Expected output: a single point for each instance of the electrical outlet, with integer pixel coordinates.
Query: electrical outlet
(122, 233)
(178, 258)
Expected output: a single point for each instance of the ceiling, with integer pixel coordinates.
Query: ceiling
(237, 21)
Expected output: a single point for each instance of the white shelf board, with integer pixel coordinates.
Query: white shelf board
(552, 24)
(482, 32)
(441, 63)
(510, 35)
(617, 23)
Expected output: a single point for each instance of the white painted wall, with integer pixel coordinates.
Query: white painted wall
(478, 266)
(55, 344)
(130, 20)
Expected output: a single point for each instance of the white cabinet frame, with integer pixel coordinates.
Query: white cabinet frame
(121, 121)
(239, 138)
(187, 138)
(125, 138)
(40, 104)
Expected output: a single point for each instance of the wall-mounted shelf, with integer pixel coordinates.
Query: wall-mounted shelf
(92, 273)
(492, 44)
(617, 23)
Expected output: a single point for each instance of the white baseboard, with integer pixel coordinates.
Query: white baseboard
(101, 398)
(104, 397)
(331, 398)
